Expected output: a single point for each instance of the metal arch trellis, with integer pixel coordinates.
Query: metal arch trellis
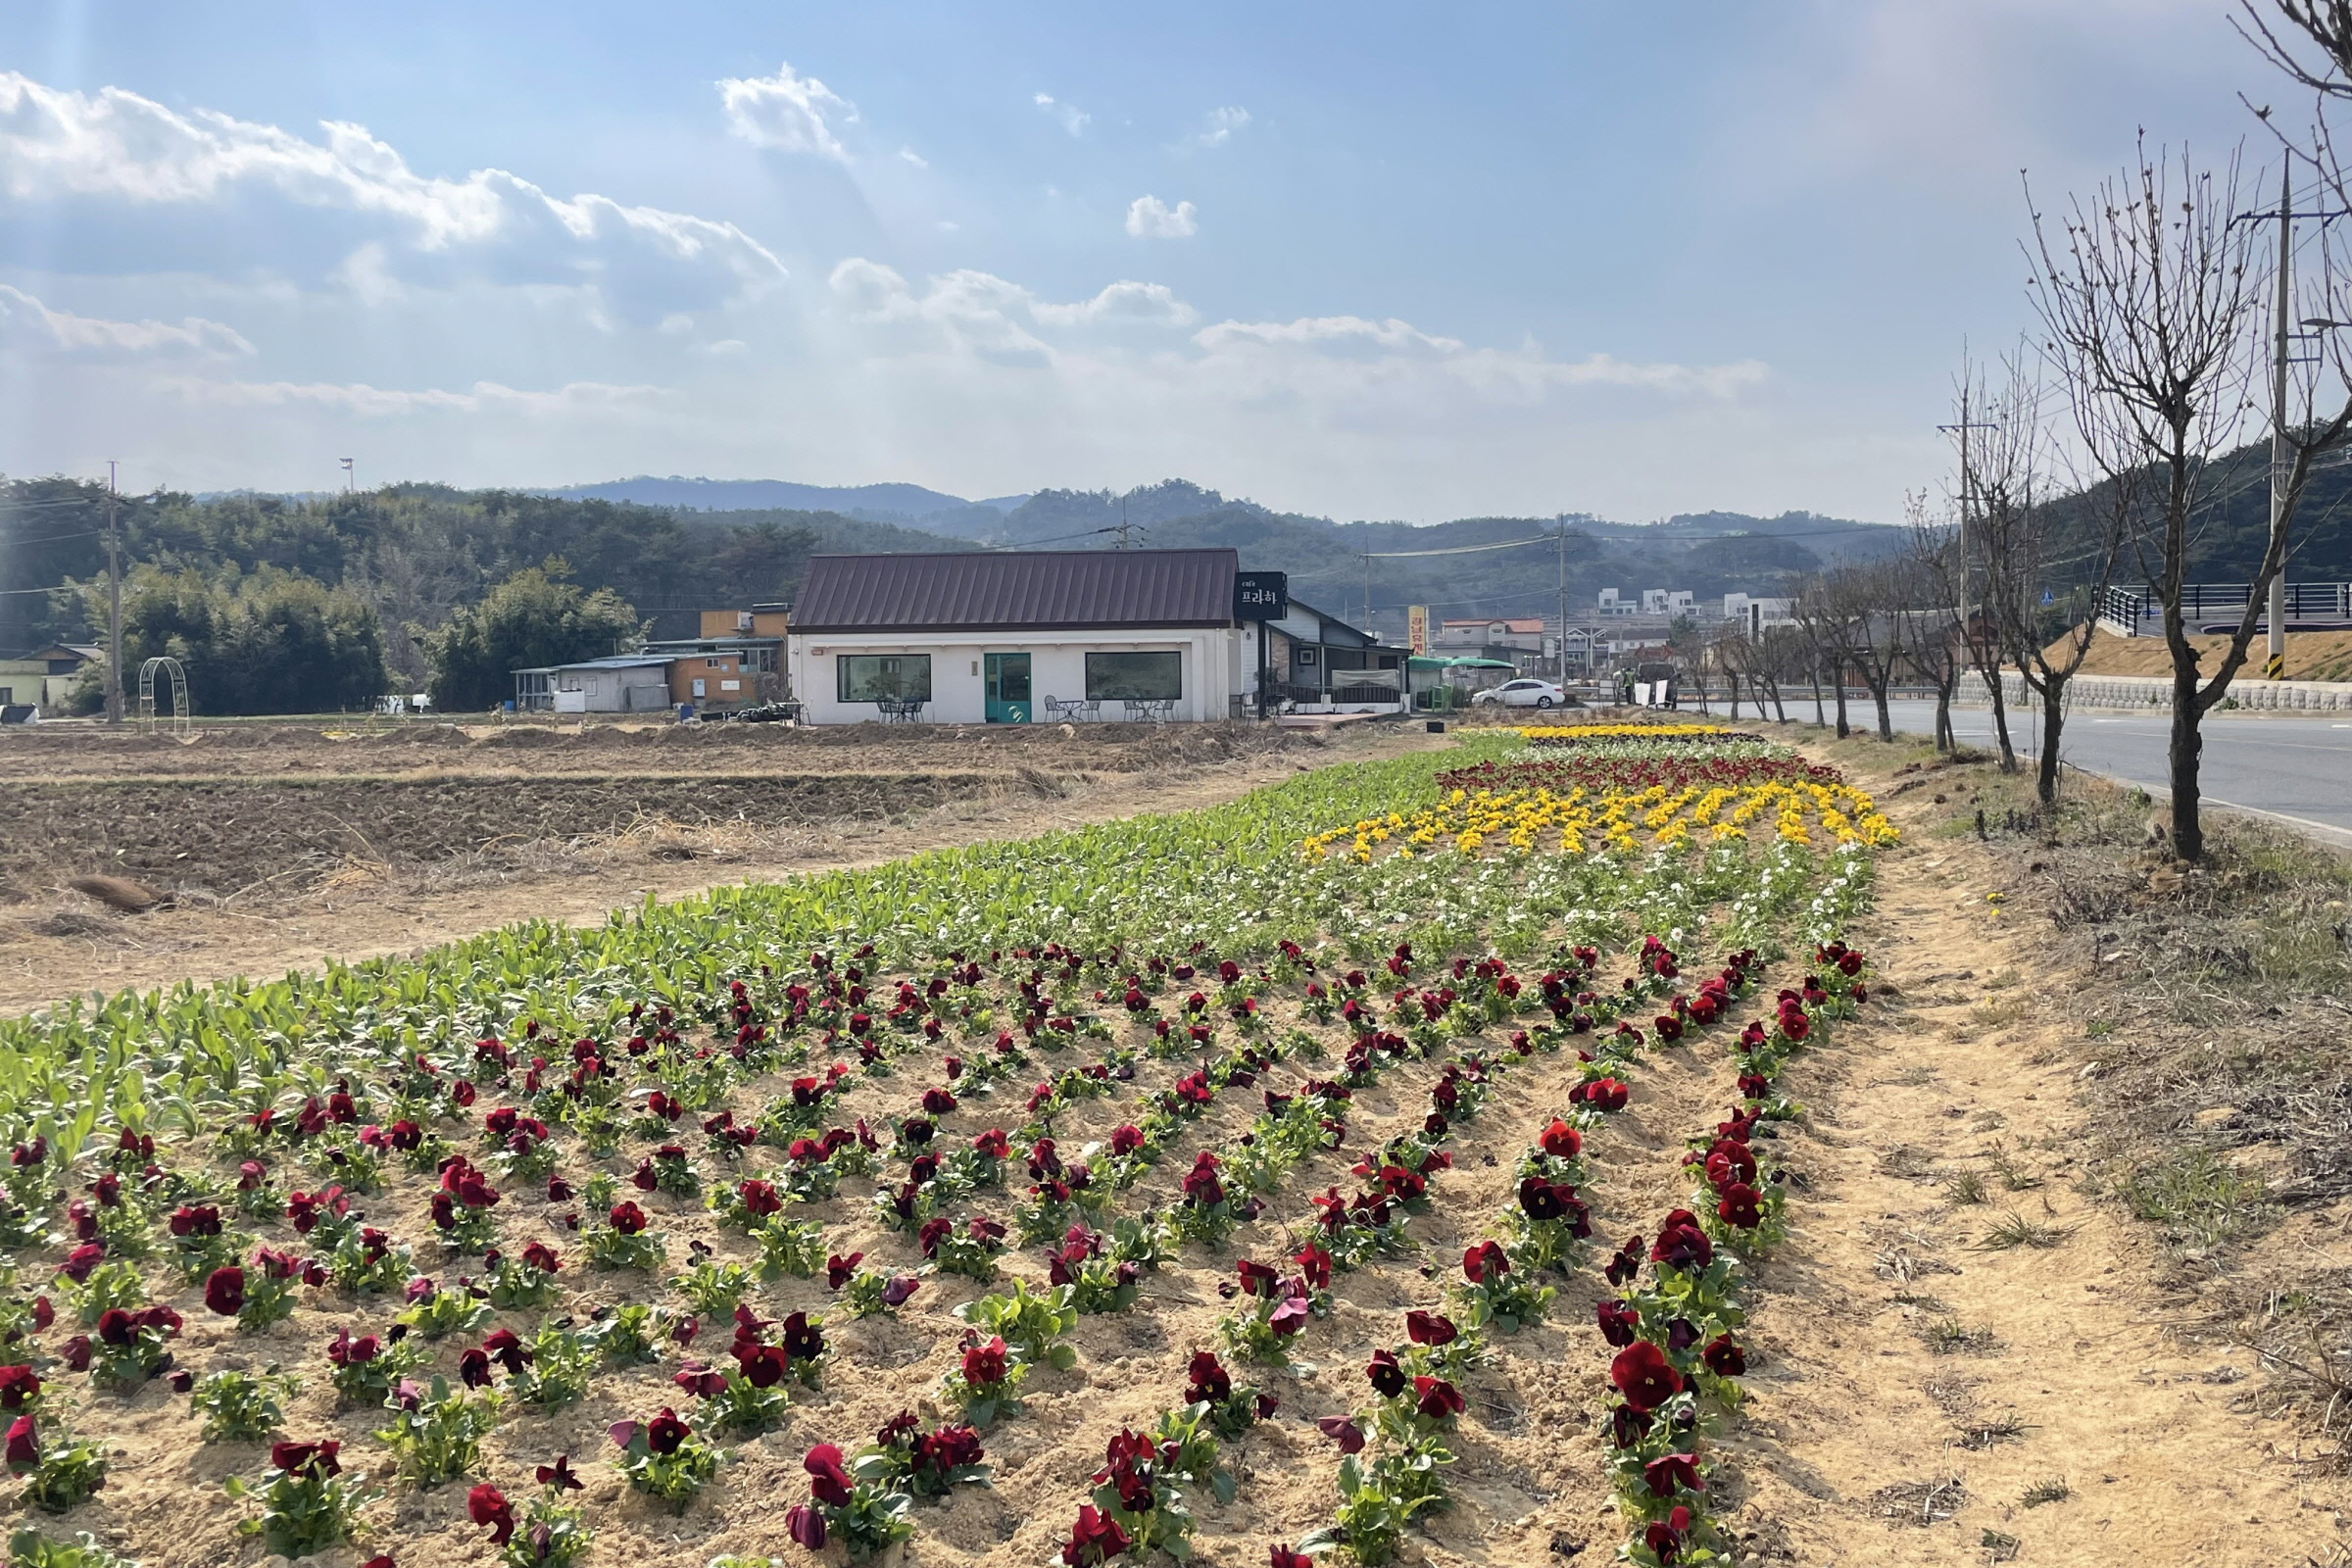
(166, 664)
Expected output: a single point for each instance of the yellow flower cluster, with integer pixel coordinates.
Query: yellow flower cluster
(1587, 732)
(1667, 816)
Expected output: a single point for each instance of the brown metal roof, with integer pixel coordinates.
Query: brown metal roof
(1043, 590)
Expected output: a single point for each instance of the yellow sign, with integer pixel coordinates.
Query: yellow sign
(1416, 627)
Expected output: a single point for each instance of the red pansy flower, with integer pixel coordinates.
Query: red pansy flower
(1645, 1376)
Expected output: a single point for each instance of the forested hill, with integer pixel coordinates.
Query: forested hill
(2231, 535)
(415, 552)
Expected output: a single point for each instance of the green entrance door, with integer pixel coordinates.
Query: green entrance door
(1007, 688)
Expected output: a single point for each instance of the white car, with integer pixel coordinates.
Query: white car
(1525, 694)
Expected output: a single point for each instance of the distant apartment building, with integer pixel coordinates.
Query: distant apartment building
(1663, 604)
(1755, 614)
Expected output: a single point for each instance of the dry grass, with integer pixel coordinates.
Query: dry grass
(1918, 1504)
(2014, 1229)
(1978, 1436)
(1950, 1337)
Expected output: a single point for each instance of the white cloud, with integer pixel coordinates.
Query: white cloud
(787, 112)
(27, 324)
(1125, 303)
(209, 188)
(1524, 373)
(359, 398)
(914, 158)
(1145, 329)
(1072, 119)
(962, 312)
(1149, 218)
(1221, 124)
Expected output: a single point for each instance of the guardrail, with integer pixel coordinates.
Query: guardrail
(2139, 613)
(2156, 692)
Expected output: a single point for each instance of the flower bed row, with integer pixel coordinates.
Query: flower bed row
(1678, 1352)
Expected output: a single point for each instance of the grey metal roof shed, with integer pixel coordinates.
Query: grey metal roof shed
(1017, 590)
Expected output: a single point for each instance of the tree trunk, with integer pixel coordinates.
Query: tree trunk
(1838, 683)
(1877, 695)
(2000, 718)
(1772, 688)
(1820, 720)
(2053, 719)
(1943, 719)
(2188, 745)
(1735, 713)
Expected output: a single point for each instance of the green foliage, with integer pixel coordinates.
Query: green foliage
(535, 618)
(305, 1510)
(673, 1477)
(626, 1337)
(2199, 1198)
(788, 1246)
(446, 1312)
(714, 1289)
(558, 1372)
(549, 1534)
(1031, 1322)
(242, 1406)
(28, 1547)
(437, 1436)
(64, 1473)
(266, 642)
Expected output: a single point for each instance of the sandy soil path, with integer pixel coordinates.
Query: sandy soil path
(1919, 1384)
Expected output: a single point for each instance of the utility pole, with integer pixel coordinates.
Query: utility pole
(1563, 643)
(1368, 631)
(1124, 531)
(2273, 667)
(113, 605)
(351, 476)
(1967, 490)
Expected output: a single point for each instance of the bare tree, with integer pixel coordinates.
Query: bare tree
(1852, 608)
(1780, 656)
(2150, 295)
(1928, 628)
(2048, 564)
(1983, 651)
(1816, 620)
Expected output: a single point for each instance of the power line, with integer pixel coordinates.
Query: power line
(1459, 550)
(50, 539)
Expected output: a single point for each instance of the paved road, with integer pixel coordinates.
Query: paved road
(2285, 766)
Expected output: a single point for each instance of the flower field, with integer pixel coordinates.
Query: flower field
(1218, 1184)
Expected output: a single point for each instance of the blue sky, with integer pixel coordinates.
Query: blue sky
(1371, 261)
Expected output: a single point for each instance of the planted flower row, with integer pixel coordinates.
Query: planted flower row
(1678, 1337)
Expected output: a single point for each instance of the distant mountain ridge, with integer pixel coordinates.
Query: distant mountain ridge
(1347, 568)
(882, 503)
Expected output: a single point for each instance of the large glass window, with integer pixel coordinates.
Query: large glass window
(1140, 677)
(883, 677)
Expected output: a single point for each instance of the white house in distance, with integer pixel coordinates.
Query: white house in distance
(1755, 614)
(1021, 636)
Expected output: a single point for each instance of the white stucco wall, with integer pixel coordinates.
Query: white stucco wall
(1216, 663)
